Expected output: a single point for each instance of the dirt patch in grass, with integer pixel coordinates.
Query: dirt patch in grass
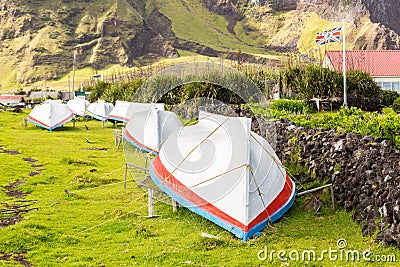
(11, 212)
(4, 222)
(37, 165)
(96, 148)
(31, 160)
(9, 152)
(12, 192)
(17, 256)
(72, 161)
(36, 169)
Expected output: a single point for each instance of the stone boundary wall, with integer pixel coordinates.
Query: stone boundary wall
(365, 173)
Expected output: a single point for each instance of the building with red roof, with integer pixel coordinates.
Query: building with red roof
(382, 65)
(10, 100)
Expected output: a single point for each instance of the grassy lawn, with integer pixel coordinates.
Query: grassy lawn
(106, 226)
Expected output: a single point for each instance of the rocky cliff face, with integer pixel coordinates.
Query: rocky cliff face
(380, 17)
(379, 20)
(386, 12)
(39, 38)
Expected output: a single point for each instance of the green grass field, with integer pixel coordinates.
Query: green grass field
(106, 226)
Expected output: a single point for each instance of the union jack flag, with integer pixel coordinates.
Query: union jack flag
(329, 36)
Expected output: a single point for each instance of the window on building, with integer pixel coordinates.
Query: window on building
(396, 87)
(391, 86)
(387, 86)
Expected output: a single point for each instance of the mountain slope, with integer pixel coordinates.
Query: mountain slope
(37, 38)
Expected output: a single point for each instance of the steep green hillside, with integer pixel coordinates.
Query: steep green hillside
(191, 21)
(38, 38)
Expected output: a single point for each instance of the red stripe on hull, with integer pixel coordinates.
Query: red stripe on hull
(169, 180)
(41, 123)
(64, 121)
(137, 142)
(118, 117)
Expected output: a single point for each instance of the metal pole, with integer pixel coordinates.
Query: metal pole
(333, 199)
(73, 72)
(174, 205)
(145, 164)
(150, 202)
(69, 89)
(125, 173)
(313, 190)
(344, 66)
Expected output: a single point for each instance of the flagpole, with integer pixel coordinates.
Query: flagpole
(73, 72)
(344, 66)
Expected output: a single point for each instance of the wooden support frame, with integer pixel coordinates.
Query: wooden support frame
(118, 138)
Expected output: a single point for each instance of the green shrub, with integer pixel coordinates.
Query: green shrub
(69, 31)
(40, 49)
(311, 81)
(388, 97)
(361, 84)
(291, 106)
(7, 33)
(314, 81)
(113, 92)
(352, 120)
(192, 90)
(396, 105)
(20, 92)
(97, 90)
(54, 35)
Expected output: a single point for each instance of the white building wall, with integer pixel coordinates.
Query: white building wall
(388, 83)
(387, 79)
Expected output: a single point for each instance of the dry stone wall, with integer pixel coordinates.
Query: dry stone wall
(365, 171)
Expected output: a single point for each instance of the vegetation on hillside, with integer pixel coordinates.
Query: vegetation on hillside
(38, 39)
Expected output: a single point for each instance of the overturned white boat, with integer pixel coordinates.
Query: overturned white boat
(50, 115)
(99, 110)
(147, 129)
(222, 171)
(123, 110)
(78, 106)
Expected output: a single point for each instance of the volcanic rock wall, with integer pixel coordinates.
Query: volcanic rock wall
(365, 173)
